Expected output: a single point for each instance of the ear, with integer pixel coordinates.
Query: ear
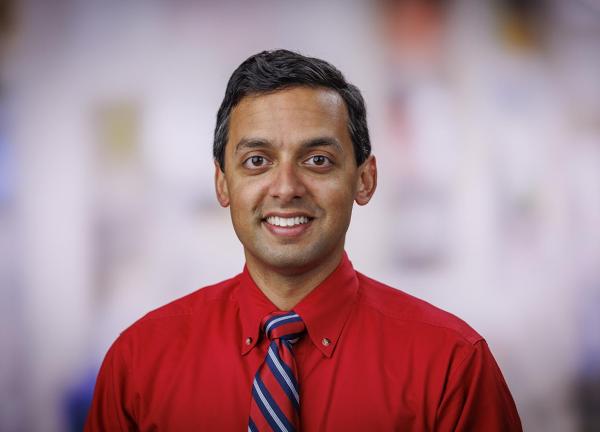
(221, 186)
(367, 181)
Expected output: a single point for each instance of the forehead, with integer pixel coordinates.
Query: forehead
(290, 115)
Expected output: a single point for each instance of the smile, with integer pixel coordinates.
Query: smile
(287, 222)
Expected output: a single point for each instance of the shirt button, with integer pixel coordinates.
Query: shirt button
(325, 342)
(248, 341)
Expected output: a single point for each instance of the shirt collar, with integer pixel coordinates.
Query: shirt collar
(324, 310)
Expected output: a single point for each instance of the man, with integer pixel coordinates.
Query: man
(299, 340)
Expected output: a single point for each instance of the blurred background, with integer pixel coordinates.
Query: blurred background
(484, 115)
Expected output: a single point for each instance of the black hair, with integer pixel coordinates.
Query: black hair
(269, 71)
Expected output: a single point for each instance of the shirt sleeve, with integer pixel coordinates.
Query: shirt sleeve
(477, 397)
(111, 408)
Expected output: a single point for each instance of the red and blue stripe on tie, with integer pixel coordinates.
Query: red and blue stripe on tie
(275, 395)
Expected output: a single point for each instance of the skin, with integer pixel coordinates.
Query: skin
(289, 153)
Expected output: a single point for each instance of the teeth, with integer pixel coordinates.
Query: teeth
(287, 222)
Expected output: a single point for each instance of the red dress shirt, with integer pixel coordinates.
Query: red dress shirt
(374, 359)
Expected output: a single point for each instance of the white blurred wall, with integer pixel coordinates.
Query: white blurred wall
(488, 201)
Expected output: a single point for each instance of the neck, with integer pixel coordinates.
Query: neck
(286, 289)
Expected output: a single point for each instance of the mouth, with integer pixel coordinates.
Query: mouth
(287, 226)
(281, 221)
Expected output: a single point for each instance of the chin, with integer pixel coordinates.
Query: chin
(287, 261)
(293, 260)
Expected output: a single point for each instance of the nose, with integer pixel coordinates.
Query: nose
(287, 185)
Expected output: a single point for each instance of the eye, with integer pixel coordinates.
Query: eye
(319, 161)
(255, 162)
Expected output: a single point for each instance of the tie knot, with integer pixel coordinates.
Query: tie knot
(283, 325)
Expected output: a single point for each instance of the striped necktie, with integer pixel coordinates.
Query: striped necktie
(275, 396)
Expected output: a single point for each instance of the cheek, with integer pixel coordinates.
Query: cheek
(246, 194)
(338, 188)
(335, 195)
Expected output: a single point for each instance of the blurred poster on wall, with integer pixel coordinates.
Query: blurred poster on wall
(421, 135)
(13, 365)
(119, 186)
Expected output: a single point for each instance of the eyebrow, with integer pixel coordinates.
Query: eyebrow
(252, 143)
(324, 141)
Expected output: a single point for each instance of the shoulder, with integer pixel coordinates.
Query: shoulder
(198, 305)
(400, 308)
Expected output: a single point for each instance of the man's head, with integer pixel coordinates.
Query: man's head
(270, 71)
(287, 168)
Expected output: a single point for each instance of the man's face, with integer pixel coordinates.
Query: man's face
(291, 178)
